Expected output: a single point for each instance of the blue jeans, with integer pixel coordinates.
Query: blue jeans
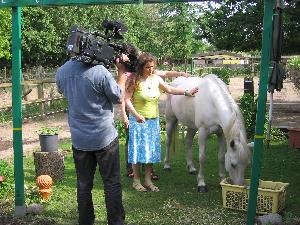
(109, 168)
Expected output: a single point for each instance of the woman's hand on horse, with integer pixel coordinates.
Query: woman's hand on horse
(184, 74)
(193, 91)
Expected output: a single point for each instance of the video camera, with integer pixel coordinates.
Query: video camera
(97, 48)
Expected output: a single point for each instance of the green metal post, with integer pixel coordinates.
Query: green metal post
(261, 109)
(17, 112)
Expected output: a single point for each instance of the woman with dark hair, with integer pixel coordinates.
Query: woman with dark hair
(132, 54)
(141, 98)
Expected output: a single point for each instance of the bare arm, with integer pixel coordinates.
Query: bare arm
(130, 107)
(122, 107)
(124, 115)
(166, 74)
(121, 80)
(177, 91)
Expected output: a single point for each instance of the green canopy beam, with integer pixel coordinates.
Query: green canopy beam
(23, 3)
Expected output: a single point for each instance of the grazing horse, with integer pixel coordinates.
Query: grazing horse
(212, 110)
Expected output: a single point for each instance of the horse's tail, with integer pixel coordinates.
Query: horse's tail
(174, 145)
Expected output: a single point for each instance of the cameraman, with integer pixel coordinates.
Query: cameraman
(91, 92)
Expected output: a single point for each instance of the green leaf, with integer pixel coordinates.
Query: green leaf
(48, 131)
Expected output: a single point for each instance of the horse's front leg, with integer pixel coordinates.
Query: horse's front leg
(221, 154)
(202, 136)
(189, 154)
(170, 128)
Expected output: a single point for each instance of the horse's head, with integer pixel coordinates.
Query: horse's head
(237, 158)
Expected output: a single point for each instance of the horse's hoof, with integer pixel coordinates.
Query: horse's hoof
(193, 172)
(202, 189)
(167, 169)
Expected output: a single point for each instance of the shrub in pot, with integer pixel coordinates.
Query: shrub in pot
(48, 137)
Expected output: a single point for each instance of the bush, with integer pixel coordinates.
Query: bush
(58, 105)
(294, 70)
(121, 130)
(244, 71)
(7, 186)
(275, 133)
(5, 115)
(248, 106)
(294, 62)
(30, 110)
(223, 73)
(162, 124)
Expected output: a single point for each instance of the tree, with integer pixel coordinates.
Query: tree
(45, 31)
(165, 30)
(237, 25)
(5, 33)
(178, 30)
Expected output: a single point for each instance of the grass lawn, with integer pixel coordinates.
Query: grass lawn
(178, 202)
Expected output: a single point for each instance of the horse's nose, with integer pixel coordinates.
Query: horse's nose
(237, 180)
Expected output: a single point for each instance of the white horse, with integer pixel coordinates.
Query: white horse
(212, 110)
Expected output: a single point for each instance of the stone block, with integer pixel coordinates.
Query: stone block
(49, 163)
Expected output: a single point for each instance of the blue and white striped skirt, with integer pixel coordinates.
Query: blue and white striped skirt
(144, 141)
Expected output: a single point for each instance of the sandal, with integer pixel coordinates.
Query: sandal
(130, 174)
(138, 187)
(151, 187)
(154, 176)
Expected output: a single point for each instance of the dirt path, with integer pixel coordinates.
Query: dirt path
(30, 136)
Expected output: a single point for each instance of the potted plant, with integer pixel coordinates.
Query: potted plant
(48, 137)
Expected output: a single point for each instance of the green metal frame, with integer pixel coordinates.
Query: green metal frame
(24, 3)
(17, 111)
(261, 108)
(17, 89)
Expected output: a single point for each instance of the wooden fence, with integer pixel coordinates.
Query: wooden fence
(36, 73)
(33, 79)
(41, 100)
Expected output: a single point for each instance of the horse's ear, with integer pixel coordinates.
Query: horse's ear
(232, 144)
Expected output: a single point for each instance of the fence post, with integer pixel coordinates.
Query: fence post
(41, 96)
(4, 80)
(24, 90)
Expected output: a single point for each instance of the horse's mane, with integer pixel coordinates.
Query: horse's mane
(236, 125)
